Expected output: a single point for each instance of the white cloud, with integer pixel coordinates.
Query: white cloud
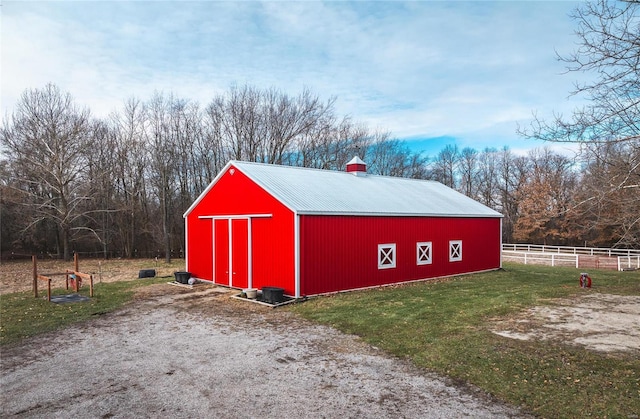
(465, 69)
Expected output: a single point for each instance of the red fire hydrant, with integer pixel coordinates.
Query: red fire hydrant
(585, 280)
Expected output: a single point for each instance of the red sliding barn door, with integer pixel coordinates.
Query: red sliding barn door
(221, 251)
(231, 252)
(239, 253)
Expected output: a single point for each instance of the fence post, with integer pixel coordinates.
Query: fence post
(35, 276)
(553, 260)
(619, 267)
(577, 261)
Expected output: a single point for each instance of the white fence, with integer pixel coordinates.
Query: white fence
(592, 251)
(540, 258)
(628, 263)
(579, 257)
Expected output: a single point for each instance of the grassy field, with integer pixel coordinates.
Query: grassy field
(444, 327)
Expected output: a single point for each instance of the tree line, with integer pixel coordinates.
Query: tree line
(118, 186)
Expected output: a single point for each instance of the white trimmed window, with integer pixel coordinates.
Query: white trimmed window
(386, 256)
(423, 253)
(455, 250)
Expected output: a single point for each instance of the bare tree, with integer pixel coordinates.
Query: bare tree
(242, 122)
(391, 157)
(488, 177)
(290, 118)
(186, 127)
(210, 155)
(386, 156)
(12, 214)
(606, 210)
(445, 166)
(468, 171)
(513, 175)
(161, 117)
(46, 141)
(97, 222)
(131, 156)
(311, 147)
(349, 139)
(609, 49)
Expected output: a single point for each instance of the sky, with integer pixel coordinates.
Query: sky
(432, 73)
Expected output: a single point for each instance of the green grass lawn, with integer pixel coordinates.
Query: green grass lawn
(443, 327)
(22, 315)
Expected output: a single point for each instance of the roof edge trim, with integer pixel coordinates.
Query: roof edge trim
(207, 189)
(222, 172)
(389, 214)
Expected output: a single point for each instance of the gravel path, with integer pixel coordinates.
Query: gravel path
(204, 355)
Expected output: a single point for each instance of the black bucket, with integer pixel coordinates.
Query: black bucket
(272, 295)
(147, 273)
(182, 277)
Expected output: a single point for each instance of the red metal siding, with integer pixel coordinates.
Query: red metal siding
(272, 239)
(273, 253)
(199, 248)
(355, 167)
(340, 252)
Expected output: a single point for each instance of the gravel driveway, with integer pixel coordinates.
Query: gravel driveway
(178, 353)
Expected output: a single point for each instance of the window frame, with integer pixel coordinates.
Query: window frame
(453, 244)
(384, 256)
(419, 252)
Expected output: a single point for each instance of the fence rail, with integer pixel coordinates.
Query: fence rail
(540, 258)
(628, 262)
(579, 257)
(592, 251)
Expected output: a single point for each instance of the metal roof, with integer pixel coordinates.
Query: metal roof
(314, 191)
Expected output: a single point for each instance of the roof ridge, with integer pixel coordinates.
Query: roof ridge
(286, 166)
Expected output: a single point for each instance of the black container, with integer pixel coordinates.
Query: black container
(272, 295)
(182, 277)
(147, 273)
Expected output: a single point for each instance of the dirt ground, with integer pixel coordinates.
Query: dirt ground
(199, 353)
(17, 275)
(599, 322)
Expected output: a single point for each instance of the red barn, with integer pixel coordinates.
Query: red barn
(315, 231)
